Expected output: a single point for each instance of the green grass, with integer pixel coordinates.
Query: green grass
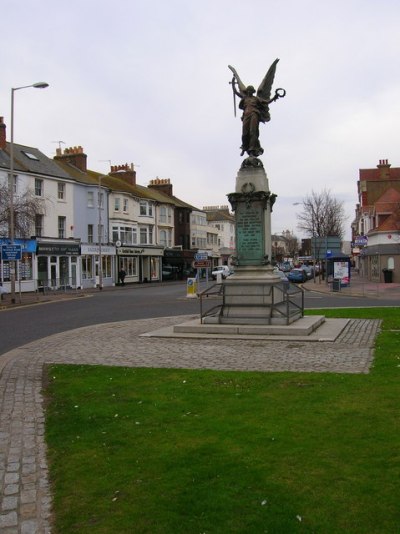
(182, 451)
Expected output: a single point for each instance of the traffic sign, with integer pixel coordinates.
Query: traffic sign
(11, 252)
(200, 256)
(201, 264)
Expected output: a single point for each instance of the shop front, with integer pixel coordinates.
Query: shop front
(140, 264)
(177, 264)
(92, 256)
(25, 272)
(57, 264)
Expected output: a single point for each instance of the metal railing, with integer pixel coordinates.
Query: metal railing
(287, 300)
(57, 284)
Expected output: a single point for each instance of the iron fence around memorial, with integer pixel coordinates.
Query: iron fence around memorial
(289, 301)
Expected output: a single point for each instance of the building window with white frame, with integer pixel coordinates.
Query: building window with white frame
(146, 235)
(38, 225)
(165, 238)
(61, 191)
(90, 199)
(117, 204)
(38, 187)
(125, 205)
(62, 225)
(145, 208)
(90, 233)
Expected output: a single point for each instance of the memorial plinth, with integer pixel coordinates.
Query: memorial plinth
(253, 294)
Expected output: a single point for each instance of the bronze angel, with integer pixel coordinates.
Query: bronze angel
(255, 108)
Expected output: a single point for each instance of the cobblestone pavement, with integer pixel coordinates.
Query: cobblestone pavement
(26, 495)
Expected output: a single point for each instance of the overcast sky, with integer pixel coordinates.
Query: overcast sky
(147, 82)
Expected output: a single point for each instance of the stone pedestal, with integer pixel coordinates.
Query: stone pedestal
(254, 294)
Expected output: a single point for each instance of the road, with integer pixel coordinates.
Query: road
(27, 323)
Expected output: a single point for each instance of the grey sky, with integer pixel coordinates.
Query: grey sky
(148, 83)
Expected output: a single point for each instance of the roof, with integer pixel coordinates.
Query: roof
(388, 202)
(30, 160)
(390, 224)
(219, 215)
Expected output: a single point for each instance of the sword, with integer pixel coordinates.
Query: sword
(234, 95)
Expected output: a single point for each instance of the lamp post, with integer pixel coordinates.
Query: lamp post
(11, 183)
(99, 233)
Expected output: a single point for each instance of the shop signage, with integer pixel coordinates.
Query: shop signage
(137, 251)
(361, 241)
(94, 249)
(58, 249)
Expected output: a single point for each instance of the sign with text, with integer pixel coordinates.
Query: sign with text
(11, 252)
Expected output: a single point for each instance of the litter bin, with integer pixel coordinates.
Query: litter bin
(336, 284)
(387, 276)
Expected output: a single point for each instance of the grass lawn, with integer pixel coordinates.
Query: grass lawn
(182, 451)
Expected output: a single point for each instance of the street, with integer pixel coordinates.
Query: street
(27, 323)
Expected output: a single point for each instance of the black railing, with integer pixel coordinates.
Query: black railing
(286, 300)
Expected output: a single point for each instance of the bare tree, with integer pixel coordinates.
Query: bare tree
(322, 215)
(26, 208)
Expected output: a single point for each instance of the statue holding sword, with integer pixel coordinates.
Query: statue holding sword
(255, 108)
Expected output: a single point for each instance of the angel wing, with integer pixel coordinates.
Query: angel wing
(242, 87)
(264, 92)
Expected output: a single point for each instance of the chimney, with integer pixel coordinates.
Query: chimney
(74, 156)
(384, 169)
(3, 143)
(126, 172)
(162, 184)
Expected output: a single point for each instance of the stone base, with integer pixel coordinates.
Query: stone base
(254, 296)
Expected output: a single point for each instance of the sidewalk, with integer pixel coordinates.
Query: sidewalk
(358, 287)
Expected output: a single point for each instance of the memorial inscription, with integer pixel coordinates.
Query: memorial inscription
(250, 235)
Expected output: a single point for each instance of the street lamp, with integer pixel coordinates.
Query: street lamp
(11, 183)
(99, 232)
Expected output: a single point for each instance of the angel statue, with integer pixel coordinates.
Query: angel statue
(255, 108)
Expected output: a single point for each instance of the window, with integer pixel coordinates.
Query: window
(126, 234)
(117, 204)
(125, 208)
(165, 238)
(146, 208)
(143, 235)
(38, 188)
(90, 199)
(90, 233)
(163, 214)
(62, 224)
(38, 225)
(29, 155)
(100, 200)
(61, 191)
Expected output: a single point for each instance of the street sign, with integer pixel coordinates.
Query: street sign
(202, 264)
(199, 256)
(11, 252)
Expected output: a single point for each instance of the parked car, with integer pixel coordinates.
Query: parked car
(308, 270)
(223, 270)
(282, 276)
(297, 275)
